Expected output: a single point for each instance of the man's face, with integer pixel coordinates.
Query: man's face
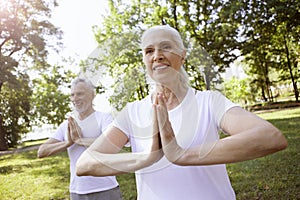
(81, 97)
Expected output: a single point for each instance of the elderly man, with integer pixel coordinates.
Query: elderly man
(91, 124)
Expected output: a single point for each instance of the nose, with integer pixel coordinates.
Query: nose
(73, 98)
(158, 55)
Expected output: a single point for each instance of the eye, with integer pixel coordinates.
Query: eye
(148, 51)
(166, 47)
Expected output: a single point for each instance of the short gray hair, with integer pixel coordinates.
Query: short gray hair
(87, 82)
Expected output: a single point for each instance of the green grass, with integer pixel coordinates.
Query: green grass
(277, 176)
(274, 177)
(23, 176)
(32, 142)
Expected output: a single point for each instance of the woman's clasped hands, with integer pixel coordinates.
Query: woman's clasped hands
(163, 135)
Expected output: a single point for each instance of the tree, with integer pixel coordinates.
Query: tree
(271, 41)
(287, 41)
(203, 27)
(120, 55)
(24, 34)
(15, 108)
(216, 34)
(51, 96)
(239, 91)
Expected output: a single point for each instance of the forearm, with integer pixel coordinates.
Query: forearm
(85, 141)
(93, 163)
(52, 148)
(248, 145)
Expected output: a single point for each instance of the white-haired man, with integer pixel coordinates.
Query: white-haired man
(92, 123)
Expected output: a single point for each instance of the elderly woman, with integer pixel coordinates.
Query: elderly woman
(173, 132)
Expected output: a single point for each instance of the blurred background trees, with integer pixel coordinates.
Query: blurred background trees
(26, 35)
(264, 36)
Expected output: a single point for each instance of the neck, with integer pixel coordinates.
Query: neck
(174, 94)
(86, 113)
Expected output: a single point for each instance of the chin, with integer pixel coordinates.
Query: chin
(79, 110)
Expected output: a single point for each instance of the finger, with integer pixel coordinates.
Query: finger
(77, 129)
(154, 116)
(73, 128)
(69, 128)
(156, 134)
(160, 99)
(162, 115)
(155, 99)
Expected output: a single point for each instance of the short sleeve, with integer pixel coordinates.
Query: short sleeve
(61, 132)
(122, 120)
(220, 105)
(106, 121)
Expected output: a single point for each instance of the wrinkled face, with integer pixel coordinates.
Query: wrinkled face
(162, 56)
(81, 97)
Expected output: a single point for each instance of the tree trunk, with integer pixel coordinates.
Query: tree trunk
(3, 142)
(295, 85)
(267, 81)
(263, 93)
(296, 92)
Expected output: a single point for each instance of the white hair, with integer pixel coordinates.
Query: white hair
(87, 82)
(172, 31)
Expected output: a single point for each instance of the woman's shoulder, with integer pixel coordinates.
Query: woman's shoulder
(207, 93)
(141, 102)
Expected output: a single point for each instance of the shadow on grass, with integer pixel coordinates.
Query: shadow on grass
(52, 166)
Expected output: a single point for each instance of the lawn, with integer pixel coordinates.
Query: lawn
(24, 177)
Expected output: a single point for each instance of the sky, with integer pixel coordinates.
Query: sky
(76, 18)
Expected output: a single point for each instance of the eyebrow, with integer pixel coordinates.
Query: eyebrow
(160, 43)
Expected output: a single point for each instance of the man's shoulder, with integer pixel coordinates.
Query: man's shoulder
(101, 115)
(64, 123)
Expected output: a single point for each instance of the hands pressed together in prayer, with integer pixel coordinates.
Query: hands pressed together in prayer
(163, 137)
(74, 131)
(53, 146)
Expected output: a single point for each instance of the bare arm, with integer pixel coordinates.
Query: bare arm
(102, 157)
(85, 141)
(51, 147)
(250, 137)
(76, 134)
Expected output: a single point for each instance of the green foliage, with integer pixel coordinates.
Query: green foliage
(216, 33)
(15, 108)
(51, 96)
(25, 30)
(271, 36)
(239, 91)
(24, 34)
(120, 57)
(212, 41)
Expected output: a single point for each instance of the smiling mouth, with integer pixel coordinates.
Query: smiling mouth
(160, 67)
(77, 104)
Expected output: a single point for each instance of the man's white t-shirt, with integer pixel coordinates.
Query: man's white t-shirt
(91, 127)
(195, 121)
